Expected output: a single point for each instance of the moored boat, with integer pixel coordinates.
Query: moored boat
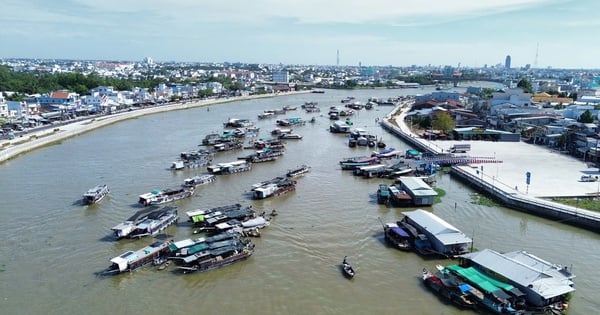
(383, 194)
(213, 258)
(95, 194)
(397, 237)
(449, 288)
(148, 224)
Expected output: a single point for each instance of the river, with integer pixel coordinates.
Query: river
(52, 245)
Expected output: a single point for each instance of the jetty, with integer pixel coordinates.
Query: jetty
(527, 181)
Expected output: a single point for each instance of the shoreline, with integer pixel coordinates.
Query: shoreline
(10, 149)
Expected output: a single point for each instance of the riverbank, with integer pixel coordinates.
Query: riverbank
(551, 174)
(38, 138)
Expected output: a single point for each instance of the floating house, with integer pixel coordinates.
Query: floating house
(444, 238)
(544, 284)
(421, 193)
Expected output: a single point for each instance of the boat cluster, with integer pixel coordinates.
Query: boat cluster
(225, 229)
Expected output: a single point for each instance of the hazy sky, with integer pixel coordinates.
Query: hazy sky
(562, 34)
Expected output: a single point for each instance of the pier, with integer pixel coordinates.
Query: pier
(503, 188)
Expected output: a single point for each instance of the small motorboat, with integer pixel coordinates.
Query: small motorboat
(348, 270)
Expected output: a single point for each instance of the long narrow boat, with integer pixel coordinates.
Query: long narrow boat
(148, 224)
(158, 196)
(210, 259)
(132, 260)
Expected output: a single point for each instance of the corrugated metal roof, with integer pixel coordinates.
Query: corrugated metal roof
(440, 229)
(417, 186)
(544, 278)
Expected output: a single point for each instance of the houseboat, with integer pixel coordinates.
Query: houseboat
(199, 215)
(276, 189)
(213, 258)
(529, 283)
(149, 224)
(132, 260)
(157, 196)
(445, 239)
(193, 159)
(95, 194)
(264, 155)
(229, 167)
(199, 180)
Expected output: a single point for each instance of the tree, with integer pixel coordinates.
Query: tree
(443, 122)
(525, 84)
(586, 117)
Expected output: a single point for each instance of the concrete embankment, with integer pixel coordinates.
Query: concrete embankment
(511, 198)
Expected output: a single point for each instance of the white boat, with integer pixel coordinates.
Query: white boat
(290, 136)
(95, 194)
(158, 196)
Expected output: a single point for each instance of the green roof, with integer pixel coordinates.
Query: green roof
(481, 280)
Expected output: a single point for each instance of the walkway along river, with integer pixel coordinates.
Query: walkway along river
(52, 245)
(562, 213)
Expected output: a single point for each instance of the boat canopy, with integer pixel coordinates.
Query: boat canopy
(483, 281)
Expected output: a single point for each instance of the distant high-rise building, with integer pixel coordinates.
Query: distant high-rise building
(149, 60)
(337, 59)
(507, 62)
(281, 77)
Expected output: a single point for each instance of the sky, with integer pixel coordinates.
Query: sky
(465, 33)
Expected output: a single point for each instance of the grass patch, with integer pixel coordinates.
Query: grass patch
(57, 142)
(482, 200)
(441, 193)
(591, 204)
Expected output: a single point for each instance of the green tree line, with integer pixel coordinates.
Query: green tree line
(30, 83)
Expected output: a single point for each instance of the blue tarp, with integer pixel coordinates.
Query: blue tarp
(398, 231)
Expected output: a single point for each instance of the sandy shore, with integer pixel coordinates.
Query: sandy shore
(38, 138)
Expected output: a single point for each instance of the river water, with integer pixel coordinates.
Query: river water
(52, 245)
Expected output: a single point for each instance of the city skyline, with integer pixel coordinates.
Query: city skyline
(541, 33)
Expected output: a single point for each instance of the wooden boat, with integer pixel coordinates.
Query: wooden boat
(95, 194)
(347, 269)
(449, 288)
(397, 237)
(383, 194)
